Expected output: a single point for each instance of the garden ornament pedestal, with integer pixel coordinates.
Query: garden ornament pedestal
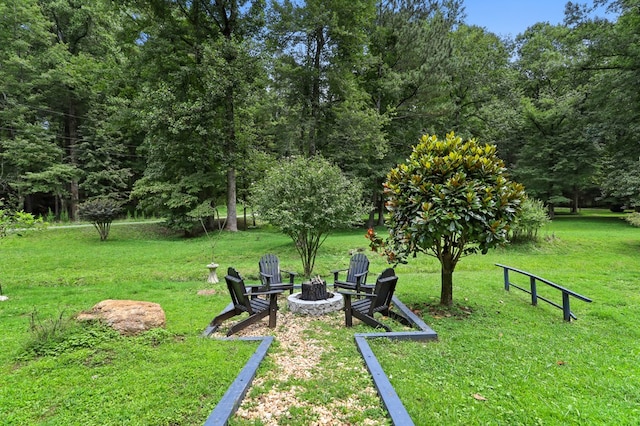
(213, 276)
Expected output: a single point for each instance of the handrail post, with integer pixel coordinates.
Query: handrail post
(565, 306)
(506, 278)
(534, 291)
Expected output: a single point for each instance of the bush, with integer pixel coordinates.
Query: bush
(17, 220)
(307, 199)
(531, 218)
(101, 212)
(633, 219)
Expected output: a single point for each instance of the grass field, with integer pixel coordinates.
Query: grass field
(498, 360)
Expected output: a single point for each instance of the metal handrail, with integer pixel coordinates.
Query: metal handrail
(533, 291)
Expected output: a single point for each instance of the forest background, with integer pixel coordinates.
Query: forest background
(176, 107)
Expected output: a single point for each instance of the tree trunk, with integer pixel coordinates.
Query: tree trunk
(576, 199)
(316, 90)
(381, 211)
(372, 217)
(551, 211)
(74, 188)
(446, 273)
(232, 216)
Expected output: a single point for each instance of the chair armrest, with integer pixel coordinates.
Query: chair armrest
(361, 274)
(292, 276)
(263, 292)
(335, 273)
(267, 277)
(355, 293)
(252, 286)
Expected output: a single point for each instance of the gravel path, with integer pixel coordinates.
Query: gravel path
(296, 358)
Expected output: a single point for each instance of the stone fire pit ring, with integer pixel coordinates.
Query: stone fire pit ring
(315, 307)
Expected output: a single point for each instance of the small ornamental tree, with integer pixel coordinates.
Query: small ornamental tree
(449, 199)
(307, 199)
(101, 212)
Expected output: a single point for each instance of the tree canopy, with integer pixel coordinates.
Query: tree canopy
(449, 199)
(308, 198)
(162, 104)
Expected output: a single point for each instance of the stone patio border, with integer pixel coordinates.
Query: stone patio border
(231, 400)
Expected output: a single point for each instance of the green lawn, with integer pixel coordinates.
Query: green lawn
(498, 359)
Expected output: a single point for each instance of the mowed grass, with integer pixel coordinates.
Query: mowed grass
(498, 359)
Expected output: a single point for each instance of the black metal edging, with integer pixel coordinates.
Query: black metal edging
(390, 399)
(231, 400)
(397, 412)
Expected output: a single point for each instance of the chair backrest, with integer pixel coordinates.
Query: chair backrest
(359, 264)
(270, 265)
(237, 290)
(385, 287)
(389, 272)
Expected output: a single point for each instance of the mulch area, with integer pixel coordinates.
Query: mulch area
(297, 360)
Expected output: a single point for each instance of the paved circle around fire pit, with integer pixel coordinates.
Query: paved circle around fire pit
(315, 307)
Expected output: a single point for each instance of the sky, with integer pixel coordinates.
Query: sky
(513, 17)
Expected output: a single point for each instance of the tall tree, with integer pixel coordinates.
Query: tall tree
(27, 125)
(480, 82)
(556, 161)
(207, 50)
(410, 51)
(58, 56)
(613, 63)
(413, 52)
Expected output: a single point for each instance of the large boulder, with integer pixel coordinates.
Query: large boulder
(129, 317)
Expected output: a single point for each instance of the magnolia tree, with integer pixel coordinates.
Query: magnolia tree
(307, 199)
(449, 199)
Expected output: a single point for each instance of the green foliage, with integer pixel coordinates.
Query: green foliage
(531, 217)
(101, 212)
(58, 335)
(17, 220)
(633, 219)
(307, 199)
(449, 199)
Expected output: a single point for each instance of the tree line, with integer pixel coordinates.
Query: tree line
(176, 107)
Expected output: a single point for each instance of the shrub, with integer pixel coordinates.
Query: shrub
(633, 219)
(529, 220)
(13, 220)
(307, 199)
(101, 212)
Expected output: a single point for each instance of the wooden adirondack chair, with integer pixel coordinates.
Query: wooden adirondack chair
(368, 288)
(356, 274)
(242, 301)
(377, 302)
(271, 274)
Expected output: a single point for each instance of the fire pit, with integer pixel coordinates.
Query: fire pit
(314, 299)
